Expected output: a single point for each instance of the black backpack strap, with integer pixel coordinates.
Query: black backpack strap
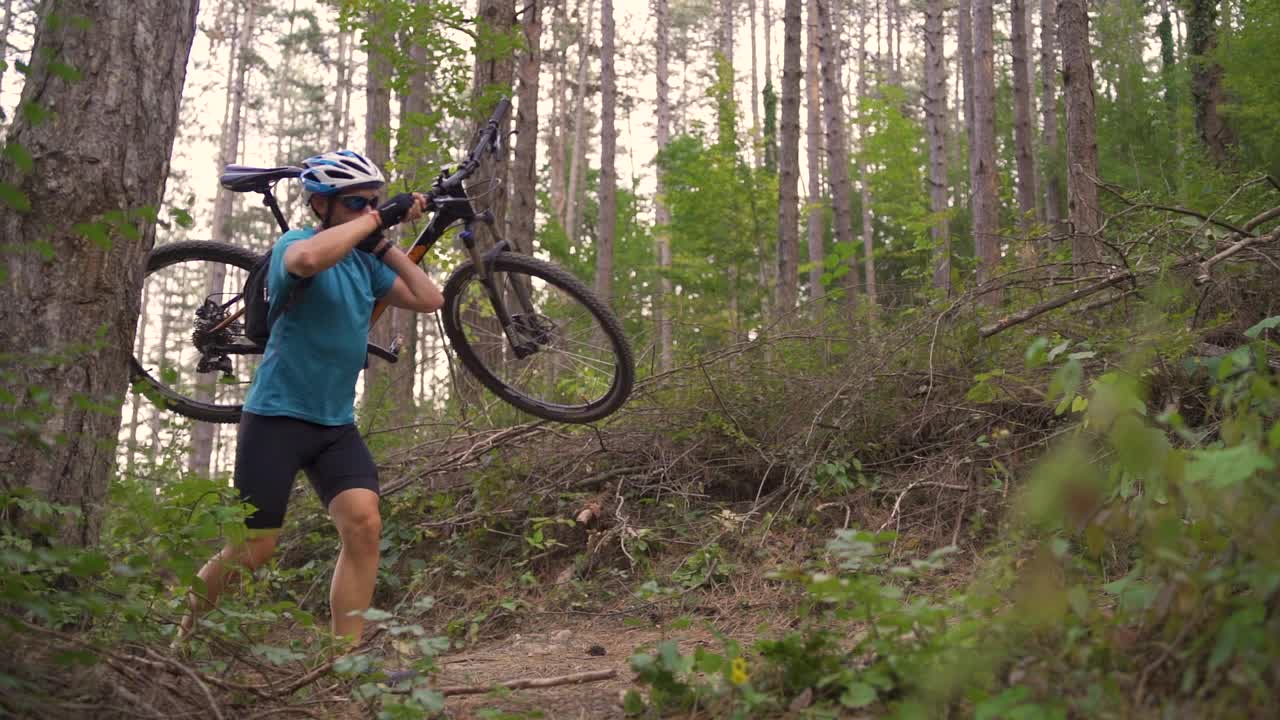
(296, 292)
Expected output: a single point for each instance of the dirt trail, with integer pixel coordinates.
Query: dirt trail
(553, 649)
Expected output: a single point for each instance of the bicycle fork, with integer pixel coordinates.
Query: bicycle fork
(521, 345)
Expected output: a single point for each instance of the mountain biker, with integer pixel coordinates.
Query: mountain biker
(298, 414)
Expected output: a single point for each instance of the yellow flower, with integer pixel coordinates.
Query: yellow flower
(738, 671)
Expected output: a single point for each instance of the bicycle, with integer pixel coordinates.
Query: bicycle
(527, 329)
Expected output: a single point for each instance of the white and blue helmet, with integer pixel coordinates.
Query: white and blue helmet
(339, 170)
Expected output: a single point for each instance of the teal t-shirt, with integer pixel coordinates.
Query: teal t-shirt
(317, 346)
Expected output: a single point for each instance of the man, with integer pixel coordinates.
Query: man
(299, 413)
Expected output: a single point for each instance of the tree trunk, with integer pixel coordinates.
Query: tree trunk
(556, 130)
(4, 38)
(103, 148)
(135, 402)
(341, 88)
(377, 147)
(1082, 141)
(982, 154)
(223, 204)
(838, 152)
(813, 106)
(1022, 125)
(1051, 166)
(608, 166)
(755, 83)
(789, 162)
(1207, 93)
(579, 129)
(524, 170)
(935, 111)
(964, 41)
(662, 306)
(725, 36)
(770, 98)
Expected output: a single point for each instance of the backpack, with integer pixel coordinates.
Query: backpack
(258, 315)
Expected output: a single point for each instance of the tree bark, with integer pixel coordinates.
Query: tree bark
(202, 434)
(608, 167)
(557, 176)
(755, 82)
(524, 170)
(1082, 141)
(104, 148)
(578, 156)
(964, 41)
(377, 147)
(838, 152)
(1207, 93)
(935, 110)
(982, 154)
(1022, 124)
(789, 162)
(813, 107)
(662, 214)
(1051, 166)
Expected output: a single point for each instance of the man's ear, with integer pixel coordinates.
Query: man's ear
(317, 203)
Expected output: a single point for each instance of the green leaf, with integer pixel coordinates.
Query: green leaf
(632, 703)
(857, 695)
(1037, 353)
(19, 155)
(183, 218)
(1271, 322)
(13, 197)
(64, 71)
(97, 233)
(376, 615)
(34, 113)
(1228, 466)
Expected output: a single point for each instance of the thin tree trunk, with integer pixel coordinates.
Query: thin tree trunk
(755, 82)
(1082, 141)
(982, 155)
(964, 41)
(725, 37)
(864, 188)
(377, 147)
(662, 306)
(579, 129)
(1022, 124)
(608, 166)
(838, 152)
(166, 294)
(813, 103)
(223, 204)
(336, 127)
(1207, 93)
(112, 130)
(4, 38)
(556, 130)
(1051, 166)
(524, 166)
(935, 110)
(789, 161)
(769, 97)
(136, 400)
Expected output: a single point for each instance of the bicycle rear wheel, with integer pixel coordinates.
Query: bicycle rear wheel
(574, 364)
(189, 288)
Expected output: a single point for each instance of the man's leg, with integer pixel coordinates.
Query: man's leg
(222, 569)
(355, 513)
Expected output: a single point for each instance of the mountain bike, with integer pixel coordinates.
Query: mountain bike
(525, 328)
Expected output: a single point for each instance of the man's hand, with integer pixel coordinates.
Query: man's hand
(405, 206)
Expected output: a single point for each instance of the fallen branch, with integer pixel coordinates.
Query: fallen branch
(526, 683)
(1036, 310)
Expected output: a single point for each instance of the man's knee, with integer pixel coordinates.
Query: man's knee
(361, 528)
(253, 552)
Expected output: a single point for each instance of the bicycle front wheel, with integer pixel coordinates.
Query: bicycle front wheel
(563, 355)
(191, 287)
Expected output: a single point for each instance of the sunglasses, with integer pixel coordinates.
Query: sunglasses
(357, 203)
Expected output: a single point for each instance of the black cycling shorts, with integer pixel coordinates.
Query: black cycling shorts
(270, 451)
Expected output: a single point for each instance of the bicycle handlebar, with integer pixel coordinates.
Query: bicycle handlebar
(488, 139)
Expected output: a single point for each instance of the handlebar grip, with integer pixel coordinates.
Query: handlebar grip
(500, 112)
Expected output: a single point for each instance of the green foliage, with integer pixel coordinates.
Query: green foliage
(1251, 73)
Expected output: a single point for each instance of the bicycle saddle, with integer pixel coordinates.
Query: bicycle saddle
(242, 178)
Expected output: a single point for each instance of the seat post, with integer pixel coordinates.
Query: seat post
(269, 199)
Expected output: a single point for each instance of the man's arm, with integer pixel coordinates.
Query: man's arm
(413, 289)
(324, 249)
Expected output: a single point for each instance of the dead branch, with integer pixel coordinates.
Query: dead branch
(527, 683)
(1036, 310)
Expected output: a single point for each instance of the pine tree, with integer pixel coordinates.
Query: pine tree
(789, 162)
